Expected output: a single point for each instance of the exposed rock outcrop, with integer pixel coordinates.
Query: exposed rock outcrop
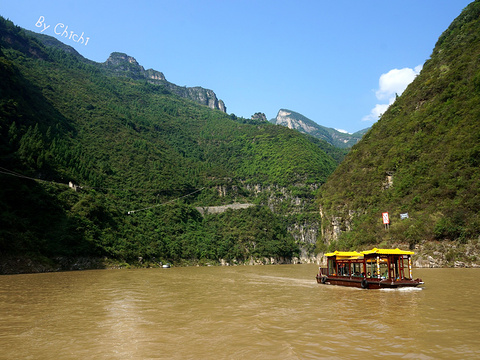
(333, 226)
(302, 223)
(259, 116)
(285, 118)
(198, 94)
(120, 64)
(294, 120)
(222, 208)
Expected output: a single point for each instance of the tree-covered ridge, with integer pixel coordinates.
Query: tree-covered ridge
(127, 145)
(422, 157)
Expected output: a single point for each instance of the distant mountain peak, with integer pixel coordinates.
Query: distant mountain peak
(338, 138)
(294, 120)
(118, 57)
(123, 64)
(259, 116)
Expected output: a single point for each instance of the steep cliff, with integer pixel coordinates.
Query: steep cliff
(198, 94)
(120, 64)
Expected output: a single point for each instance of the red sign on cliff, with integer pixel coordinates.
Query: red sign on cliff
(386, 220)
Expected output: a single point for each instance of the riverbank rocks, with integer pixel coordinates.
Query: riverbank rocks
(26, 265)
(437, 254)
(428, 262)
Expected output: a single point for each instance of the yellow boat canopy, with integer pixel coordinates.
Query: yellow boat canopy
(345, 254)
(352, 255)
(396, 251)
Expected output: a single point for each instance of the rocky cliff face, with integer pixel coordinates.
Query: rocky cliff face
(259, 116)
(123, 65)
(334, 225)
(303, 224)
(285, 118)
(120, 64)
(198, 94)
(294, 120)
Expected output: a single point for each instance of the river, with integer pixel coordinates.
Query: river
(243, 312)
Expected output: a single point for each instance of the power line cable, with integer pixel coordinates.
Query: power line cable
(151, 207)
(86, 187)
(13, 173)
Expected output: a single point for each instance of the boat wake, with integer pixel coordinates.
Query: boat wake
(284, 280)
(404, 289)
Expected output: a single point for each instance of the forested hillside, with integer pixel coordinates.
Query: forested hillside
(421, 158)
(139, 159)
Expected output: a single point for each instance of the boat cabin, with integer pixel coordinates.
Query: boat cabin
(374, 269)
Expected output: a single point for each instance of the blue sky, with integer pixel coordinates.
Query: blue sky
(337, 62)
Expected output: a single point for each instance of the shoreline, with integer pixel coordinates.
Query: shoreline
(15, 265)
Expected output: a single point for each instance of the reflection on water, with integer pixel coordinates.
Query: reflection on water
(257, 312)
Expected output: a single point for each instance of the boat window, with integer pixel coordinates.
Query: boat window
(371, 269)
(343, 269)
(331, 267)
(398, 268)
(357, 269)
(394, 269)
(383, 270)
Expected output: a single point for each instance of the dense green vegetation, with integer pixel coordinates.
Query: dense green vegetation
(428, 144)
(130, 145)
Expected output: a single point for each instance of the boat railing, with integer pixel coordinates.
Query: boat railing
(323, 271)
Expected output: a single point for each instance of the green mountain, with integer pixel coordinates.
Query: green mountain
(421, 158)
(297, 121)
(120, 64)
(95, 162)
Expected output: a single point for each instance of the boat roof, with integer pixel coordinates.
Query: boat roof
(352, 255)
(396, 251)
(344, 254)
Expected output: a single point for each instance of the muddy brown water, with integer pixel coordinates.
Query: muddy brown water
(243, 312)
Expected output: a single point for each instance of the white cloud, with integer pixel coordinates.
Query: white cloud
(391, 84)
(342, 131)
(395, 82)
(376, 112)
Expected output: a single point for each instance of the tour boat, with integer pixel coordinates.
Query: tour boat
(371, 269)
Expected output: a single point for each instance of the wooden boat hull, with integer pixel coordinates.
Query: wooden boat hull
(370, 269)
(367, 283)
